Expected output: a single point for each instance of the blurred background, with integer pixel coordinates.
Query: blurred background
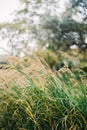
(55, 30)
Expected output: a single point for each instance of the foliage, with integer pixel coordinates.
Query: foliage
(61, 35)
(49, 101)
(21, 30)
(59, 59)
(50, 57)
(38, 22)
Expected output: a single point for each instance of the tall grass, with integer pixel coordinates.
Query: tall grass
(49, 101)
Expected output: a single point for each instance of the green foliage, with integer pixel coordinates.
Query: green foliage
(37, 21)
(83, 66)
(59, 59)
(60, 103)
(50, 57)
(63, 34)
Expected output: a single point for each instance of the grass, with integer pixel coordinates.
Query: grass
(48, 101)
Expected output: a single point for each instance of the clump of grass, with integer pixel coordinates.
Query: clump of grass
(49, 101)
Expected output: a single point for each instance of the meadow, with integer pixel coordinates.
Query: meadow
(33, 97)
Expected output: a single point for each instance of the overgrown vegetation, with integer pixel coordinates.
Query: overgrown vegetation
(49, 100)
(49, 93)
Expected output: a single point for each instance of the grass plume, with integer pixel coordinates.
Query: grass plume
(47, 101)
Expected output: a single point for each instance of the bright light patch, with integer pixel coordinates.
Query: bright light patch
(6, 9)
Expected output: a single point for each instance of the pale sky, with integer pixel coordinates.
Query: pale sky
(6, 9)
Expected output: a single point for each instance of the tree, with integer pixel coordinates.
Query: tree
(68, 31)
(20, 31)
(38, 20)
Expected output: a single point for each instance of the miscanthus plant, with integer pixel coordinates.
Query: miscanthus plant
(48, 101)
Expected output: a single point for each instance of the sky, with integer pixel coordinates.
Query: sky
(7, 8)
